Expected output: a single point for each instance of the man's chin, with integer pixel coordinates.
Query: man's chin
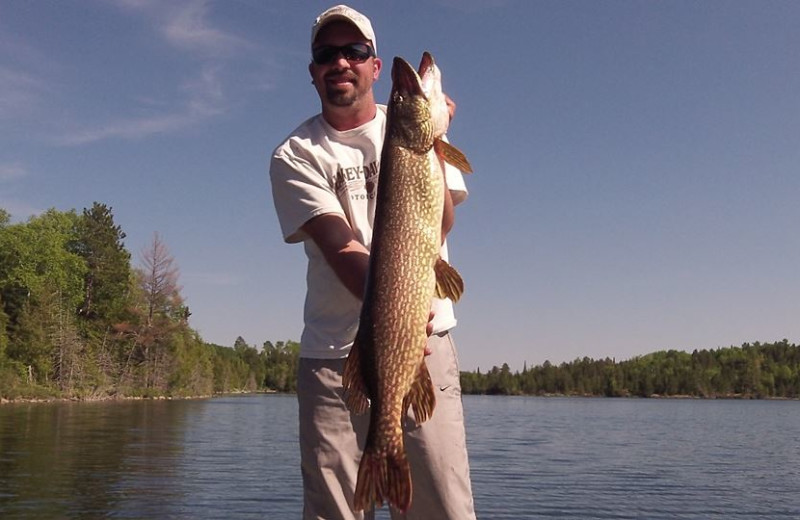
(341, 99)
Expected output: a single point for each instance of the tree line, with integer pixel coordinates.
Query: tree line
(769, 370)
(78, 319)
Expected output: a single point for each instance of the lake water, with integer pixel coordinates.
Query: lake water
(236, 457)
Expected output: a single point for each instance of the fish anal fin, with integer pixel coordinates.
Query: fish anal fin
(355, 390)
(383, 477)
(421, 397)
(449, 283)
(452, 155)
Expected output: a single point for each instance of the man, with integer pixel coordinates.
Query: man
(324, 185)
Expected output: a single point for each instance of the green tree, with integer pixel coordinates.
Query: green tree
(41, 285)
(254, 363)
(100, 244)
(3, 332)
(192, 371)
(281, 362)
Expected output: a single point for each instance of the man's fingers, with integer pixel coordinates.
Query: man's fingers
(451, 106)
(429, 332)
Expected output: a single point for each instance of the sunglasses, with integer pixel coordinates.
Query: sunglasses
(356, 52)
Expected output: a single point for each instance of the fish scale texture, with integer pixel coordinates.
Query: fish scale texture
(386, 363)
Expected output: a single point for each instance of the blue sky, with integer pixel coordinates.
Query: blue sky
(636, 178)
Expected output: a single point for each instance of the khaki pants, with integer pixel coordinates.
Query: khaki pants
(331, 441)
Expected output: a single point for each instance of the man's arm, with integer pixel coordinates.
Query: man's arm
(448, 215)
(348, 257)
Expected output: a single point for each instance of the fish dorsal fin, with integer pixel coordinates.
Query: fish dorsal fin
(421, 397)
(354, 389)
(448, 282)
(452, 155)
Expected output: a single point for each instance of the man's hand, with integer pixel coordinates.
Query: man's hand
(429, 332)
(451, 106)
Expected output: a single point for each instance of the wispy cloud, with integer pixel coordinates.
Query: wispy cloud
(186, 27)
(204, 98)
(127, 129)
(206, 93)
(12, 171)
(24, 78)
(20, 91)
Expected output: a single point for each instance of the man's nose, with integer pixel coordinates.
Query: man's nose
(340, 61)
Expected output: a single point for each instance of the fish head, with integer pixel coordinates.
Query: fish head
(409, 116)
(431, 77)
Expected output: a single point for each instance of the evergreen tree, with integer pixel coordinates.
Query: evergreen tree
(100, 243)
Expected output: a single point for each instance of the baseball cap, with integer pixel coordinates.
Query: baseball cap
(345, 14)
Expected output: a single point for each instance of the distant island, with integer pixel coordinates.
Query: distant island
(79, 321)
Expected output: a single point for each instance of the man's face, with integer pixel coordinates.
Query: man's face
(340, 82)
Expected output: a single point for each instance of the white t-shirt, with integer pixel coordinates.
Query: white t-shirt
(319, 170)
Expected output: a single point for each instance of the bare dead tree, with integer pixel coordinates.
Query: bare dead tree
(160, 279)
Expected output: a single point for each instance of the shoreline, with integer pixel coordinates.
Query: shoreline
(47, 400)
(50, 400)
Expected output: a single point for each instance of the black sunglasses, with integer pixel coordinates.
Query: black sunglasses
(357, 52)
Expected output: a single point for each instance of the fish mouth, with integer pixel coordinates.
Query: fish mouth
(426, 64)
(405, 80)
(428, 76)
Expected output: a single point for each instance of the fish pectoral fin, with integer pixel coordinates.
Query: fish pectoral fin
(354, 389)
(452, 155)
(421, 397)
(448, 282)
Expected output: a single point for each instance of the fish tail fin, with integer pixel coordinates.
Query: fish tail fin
(355, 390)
(449, 283)
(421, 397)
(452, 155)
(384, 477)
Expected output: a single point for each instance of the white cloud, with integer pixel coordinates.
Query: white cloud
(20, 92)
(127, 129)
(187, 27)
(184, 26)
(12, 171)
(206, 93)
(204, 99)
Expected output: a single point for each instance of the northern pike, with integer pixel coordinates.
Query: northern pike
(385, 371)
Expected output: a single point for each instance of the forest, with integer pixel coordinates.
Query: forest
(770, 370)
(79, 319)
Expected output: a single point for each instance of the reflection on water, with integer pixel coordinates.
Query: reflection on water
(83, 459)
(214, 458)
(236, 457)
